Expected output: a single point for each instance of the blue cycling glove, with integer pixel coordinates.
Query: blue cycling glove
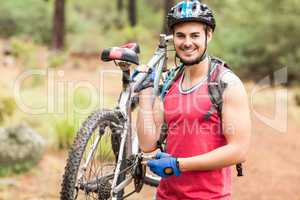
(147, 82)
(160, 155)
(164, 166)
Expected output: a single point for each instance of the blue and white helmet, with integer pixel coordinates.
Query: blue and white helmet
(192, 10)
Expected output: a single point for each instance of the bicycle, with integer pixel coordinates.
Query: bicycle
(95, 173)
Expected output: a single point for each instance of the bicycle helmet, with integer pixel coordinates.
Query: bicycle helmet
(192, 10)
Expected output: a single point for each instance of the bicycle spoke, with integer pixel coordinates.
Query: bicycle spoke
(98, 161)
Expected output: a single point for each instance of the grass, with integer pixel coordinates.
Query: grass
(7, 108)
(57, 59)
(16, 168)
(26, 51)
(104, 151)
(58, 128)
(65, 133)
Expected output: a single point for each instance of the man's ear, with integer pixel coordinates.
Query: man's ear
(209, 35)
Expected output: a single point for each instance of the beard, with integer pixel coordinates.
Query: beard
(194, 61)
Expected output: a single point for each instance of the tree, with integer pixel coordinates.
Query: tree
(120, 5)
(258, 38)
(167, 6)
(118, 17)
(272, 45)
(132, 15)
(58, 32)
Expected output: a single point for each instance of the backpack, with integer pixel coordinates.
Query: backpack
(216, 87)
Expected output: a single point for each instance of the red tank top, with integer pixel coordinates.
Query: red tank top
(189, 134)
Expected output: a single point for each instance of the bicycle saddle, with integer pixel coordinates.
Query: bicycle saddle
(127, 52)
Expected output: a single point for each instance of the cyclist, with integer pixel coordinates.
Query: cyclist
(200, 149)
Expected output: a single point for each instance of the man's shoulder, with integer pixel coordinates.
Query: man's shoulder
(220, 61)
(229, 77)
(226, 74)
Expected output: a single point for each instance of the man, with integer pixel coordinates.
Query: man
(200, 147)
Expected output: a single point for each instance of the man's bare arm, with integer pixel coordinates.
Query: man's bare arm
(236, 128)
(149, 121)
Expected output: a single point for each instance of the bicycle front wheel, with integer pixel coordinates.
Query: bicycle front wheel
(92, 159)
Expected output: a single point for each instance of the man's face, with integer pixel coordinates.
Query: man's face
(189, 41)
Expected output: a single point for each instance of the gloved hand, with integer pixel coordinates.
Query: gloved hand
(147, 82)
(160, 155)
(164, 166)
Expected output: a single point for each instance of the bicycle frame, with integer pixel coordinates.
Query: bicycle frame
(128, 101)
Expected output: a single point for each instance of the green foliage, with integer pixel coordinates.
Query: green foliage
(25, 50)
(65, 132)
(258, 37)
(82, 98)
(7, 107)
(95, 28)
(105, 152)
(28, 53)
(77, 108)
(56, 60)
(31, 17)
(17, 168)
(21, 48)
(7, 104)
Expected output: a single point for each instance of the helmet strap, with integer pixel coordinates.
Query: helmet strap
(204, 54)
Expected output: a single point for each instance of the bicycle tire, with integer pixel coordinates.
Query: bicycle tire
(83, 136)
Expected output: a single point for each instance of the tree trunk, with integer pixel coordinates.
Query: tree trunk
(167, 6)
(58, 32)
(132, 15)
(118, 20)
(120, 5)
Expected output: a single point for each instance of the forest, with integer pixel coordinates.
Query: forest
(52, 78)
(256, 38)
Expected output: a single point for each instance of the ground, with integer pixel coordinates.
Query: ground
(271, 170)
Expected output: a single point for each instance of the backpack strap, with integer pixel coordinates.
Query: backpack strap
(171, 77)
(216, 88)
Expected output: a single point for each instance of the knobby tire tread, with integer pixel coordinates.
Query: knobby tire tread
(76, 152)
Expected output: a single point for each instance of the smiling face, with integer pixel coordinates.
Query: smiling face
(189, 41)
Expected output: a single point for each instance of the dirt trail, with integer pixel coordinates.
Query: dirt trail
(272, 167)
(43, 182)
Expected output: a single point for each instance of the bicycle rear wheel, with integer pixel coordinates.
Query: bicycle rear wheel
(92, 159)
